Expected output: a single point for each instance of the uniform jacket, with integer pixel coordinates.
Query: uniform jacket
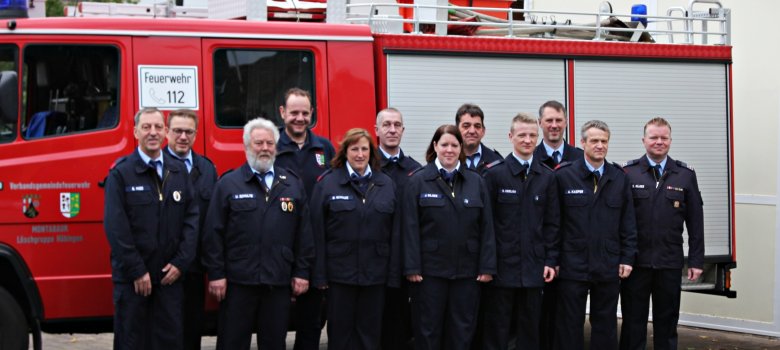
(308, 162)
(354, 233)
(488, 156)
(144, 232)
(598, 230)
(570, 154)
(399, 171)
(526, 217)
(661, 211)
(250, 239)
(443, 235)
(203, 176)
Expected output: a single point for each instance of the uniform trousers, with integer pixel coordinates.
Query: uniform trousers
(354, 316)
(247, 309)
(573, 297)
(665, 286)
(396, 319)
(193, 305)
(147, 323)
(547, 322)
(499, 306)
(444, 312)
(308, 319)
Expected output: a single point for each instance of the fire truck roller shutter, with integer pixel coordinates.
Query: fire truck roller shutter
(428, 89)
(693, 97)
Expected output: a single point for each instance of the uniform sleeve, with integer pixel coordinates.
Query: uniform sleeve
(551, 224)
(410, 229)
(188, 239)
(214, 233)
(304, 242)
(317, 207)
(487, 254)
(694, 221)
(118, 230)
(628, 230)
(394, 269)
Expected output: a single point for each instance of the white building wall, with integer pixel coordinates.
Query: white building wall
(756, 75)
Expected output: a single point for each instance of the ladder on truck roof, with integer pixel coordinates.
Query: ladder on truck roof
(689, 25)
(298, 10)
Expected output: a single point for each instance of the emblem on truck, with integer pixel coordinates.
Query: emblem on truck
(30, 204)
(70, 204)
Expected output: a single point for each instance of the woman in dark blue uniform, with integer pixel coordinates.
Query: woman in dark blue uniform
(353, 206)
(448, 244)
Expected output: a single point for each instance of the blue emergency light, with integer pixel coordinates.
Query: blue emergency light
(13, 8)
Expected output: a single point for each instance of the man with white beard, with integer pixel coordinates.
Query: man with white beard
(258, 244)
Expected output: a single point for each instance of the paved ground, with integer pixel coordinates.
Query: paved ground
(690, 339)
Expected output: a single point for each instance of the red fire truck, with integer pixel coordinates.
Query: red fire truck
(70, 86)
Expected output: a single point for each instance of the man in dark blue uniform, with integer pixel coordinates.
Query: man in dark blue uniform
(182, 130)
(552, 151)
(666, 195)
(471, 122)
(308, 155)
(396, 326)
(257, 244)
(598, 242)
(152, 227)
(526, 217)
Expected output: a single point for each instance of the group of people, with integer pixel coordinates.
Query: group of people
(467, 252)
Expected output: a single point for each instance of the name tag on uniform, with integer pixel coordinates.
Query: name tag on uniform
(430, 195)
(672, 188)
(244, 196)
(637, 186)
(139, 188)
(508, 191)
(577, 191)
(340, 198)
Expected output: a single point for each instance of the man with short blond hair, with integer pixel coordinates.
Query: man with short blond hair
(666, 195)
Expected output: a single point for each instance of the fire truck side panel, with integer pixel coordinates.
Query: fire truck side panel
(350, 88)
(52, 203)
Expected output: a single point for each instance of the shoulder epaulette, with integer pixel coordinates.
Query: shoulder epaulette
(226, 172)
(415, 171)
(684, 165)
(494, 163)
(117, 162)
(630, 163)
(562, 165)
(322, 176)
(620, 167)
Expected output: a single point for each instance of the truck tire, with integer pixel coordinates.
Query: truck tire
(13, 324)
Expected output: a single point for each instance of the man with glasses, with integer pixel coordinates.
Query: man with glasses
(152, 227)
(182, 130)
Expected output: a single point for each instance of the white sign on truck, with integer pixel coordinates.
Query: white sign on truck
(168, 87)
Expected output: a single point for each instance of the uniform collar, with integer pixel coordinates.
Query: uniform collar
(351, 171)
(439, 167)
(145, 158)
(549, 150)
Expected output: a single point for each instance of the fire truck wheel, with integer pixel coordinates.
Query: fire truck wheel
(13, 324)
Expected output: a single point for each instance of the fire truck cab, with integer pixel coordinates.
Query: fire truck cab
(69, 88)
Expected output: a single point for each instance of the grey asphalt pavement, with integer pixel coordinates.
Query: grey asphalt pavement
(690, 339)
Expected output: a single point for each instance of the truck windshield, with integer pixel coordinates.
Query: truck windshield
(9, 92)
(251, 83)
(69, 88)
